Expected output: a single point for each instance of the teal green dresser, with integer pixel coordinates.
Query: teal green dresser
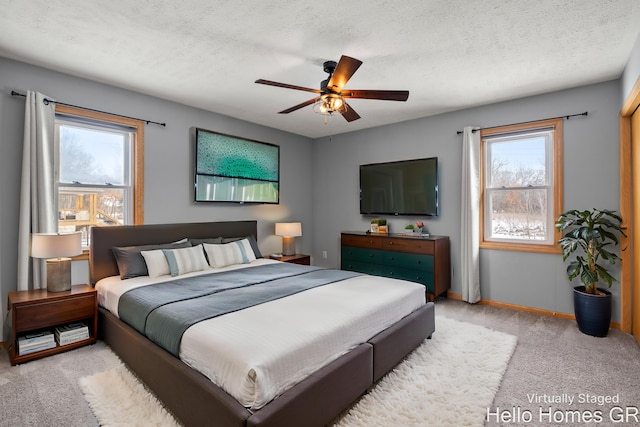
(423, 260)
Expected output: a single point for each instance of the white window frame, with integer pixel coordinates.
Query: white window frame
(551, 130)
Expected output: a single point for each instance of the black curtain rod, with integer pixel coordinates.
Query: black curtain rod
(586, 113)
(47, 101)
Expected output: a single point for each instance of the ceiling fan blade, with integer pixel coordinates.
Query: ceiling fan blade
(299, 106)
(350, 114)
(287, 86)
(343, 72)
(385, 95)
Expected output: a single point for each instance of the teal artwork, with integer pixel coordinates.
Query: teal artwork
(233, 169)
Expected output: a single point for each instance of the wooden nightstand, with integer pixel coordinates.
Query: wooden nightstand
(39, 309)
(294, 259)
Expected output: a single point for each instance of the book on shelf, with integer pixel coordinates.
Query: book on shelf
(71, 328)
(39, 337)
(32, 348)
(71, 340)
(71, 333)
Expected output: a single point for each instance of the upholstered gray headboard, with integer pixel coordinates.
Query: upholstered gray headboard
(102, 263)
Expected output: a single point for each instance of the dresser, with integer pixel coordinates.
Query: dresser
(418, 259)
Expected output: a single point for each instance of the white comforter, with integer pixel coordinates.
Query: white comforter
(258, 353)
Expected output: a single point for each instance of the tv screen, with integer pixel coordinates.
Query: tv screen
(408, 187)
(232, 169)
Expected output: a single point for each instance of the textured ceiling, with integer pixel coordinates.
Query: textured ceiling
(450, 55)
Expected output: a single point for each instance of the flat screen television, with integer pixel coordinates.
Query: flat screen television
(408, 187)
(233, 169)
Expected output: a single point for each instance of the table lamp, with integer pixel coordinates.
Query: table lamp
(56, 249)
(289, 231)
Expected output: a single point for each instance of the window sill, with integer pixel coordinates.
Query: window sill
(521, 247)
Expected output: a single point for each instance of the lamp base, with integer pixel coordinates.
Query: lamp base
(58, 274)
(288, 246)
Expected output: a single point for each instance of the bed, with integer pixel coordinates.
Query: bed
(193, 398)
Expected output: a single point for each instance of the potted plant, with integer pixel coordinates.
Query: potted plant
(382, 226)
(590, 234)
(408, 227)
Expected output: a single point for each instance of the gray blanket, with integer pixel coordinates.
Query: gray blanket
(165, 310)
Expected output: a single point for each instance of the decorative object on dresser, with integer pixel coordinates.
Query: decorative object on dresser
(56, 248)
(289, 231)
(294, 259)
(379, 225)
(35, 314)
(417, 258)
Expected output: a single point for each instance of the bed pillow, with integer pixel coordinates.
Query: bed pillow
(252, 242)
(157, 264)
(212, 240)
(185, 260)
(130, 261)
(237, 252)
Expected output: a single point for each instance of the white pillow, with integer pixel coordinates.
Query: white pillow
(185, 260)
(156, 262)
(238, 252)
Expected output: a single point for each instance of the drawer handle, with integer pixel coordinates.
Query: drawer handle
(392, 258)
(419, 262)
(391, 243)
(370, 255)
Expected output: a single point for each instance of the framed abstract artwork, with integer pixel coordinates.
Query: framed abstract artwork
(235, 170)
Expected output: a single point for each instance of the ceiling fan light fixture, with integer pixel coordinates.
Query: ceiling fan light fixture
(330, 103)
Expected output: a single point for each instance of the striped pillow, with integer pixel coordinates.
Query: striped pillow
(238, 252)
(185, 260)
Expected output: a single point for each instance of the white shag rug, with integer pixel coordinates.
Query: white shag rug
(449, 380)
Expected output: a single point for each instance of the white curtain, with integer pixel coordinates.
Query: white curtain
(470, 218)
(38, 198)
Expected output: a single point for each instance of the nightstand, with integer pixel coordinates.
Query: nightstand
(294, 259)
(37, 310)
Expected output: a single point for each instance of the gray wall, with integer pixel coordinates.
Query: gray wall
(591, 179)
(168, 162)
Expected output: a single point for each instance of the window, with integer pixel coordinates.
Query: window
(521, 186)
(100, 170)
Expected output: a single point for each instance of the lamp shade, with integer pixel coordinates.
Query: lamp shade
(288, 229)
(52, 245)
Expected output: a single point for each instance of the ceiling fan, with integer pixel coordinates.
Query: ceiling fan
(332, 92)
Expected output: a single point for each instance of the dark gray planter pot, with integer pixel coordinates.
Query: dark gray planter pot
(593, 312)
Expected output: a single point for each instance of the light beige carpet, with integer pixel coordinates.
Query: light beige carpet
(449, 380)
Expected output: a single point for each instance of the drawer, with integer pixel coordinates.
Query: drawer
(417, 245)
(361, 241)
(52, 312)
(361, 267)
(360, 254)
(408, 260)
(419, 276)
